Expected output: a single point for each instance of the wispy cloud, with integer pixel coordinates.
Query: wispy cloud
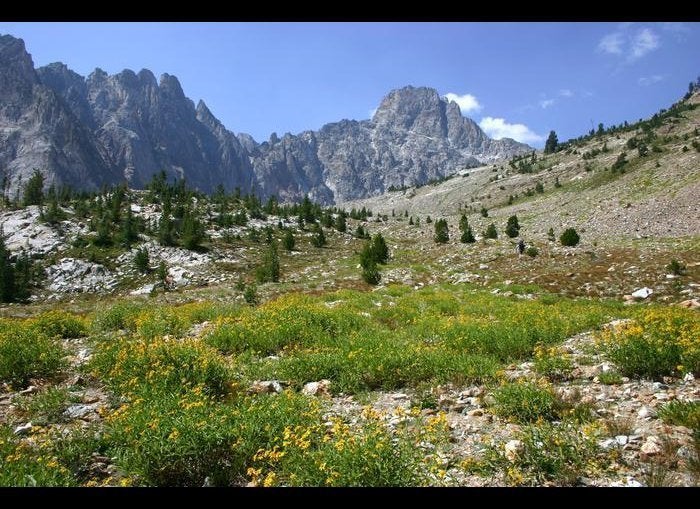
(372, 112)
(565, 92)
(645, 81)
(643, 42)
(632, 45)
(467, 103)
(679, 30)
(546, 103)
(498, 128)
(611, 43)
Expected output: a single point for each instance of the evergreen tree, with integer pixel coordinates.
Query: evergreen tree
(371, 274)
(318, 239)
(142, 260)
(270, 268)
(569, 238)
(484, 212)
(166, 229)
(380, 251)
(288, 240)
(491, 232)
(550, 235)
(442, 234)
(550, 146)
(128, 234)
(340, 223)
(467, 236)
(513, 227)
(7, 274)
(192, 232)
(34, 190)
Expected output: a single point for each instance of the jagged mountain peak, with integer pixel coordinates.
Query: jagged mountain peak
(133, 126)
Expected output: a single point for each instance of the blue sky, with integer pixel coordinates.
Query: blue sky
(515, 79)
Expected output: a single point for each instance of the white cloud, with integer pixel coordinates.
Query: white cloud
(498, 128)
(630, 45)
(611, 43)
(645, 81)
(467, 102)
(643, 42)
(372, 112)
(565, 92)
(546, 103)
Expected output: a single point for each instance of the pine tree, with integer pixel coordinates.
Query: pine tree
(513, 227)
(192, 232)
(142, 260)
(318, 239)
(34, 190)
(166, 228)
(491, 232)
(550, 235)
(371, 274)
(128, 234)
(550, 146)
(442, 234)
(270, 268)
(7, 273)
(467, 236)
(380, 251)
(340, 223)
(288, 240)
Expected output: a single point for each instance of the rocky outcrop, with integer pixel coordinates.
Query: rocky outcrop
(38, 130)
(414, 137)
(105, 129)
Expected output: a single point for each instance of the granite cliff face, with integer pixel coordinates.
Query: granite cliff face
(104, 129)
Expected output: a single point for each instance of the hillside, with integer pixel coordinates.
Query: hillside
(171, 338)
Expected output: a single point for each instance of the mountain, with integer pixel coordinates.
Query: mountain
(104, 129)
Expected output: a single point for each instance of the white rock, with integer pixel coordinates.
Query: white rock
(651, 447)
(512, 449)
(78, 411)
(144, 290)
(320, 388)
(265, 387)
(688, 378)
(642, 293)
(23, 428)
(645, 412)
(621, 439)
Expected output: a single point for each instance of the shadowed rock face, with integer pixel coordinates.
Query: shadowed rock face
(104, 129)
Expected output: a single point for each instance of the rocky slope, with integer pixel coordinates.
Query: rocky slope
(126, 127)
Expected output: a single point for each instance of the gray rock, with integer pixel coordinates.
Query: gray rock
(320, 388)
(23, 429)
(265, 387)
(85, 132)
(78, 411)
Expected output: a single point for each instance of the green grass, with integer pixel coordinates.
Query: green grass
(47, 406)
(26, 352)
(525, 402)
(681, 413)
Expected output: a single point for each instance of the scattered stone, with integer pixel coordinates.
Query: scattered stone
(690, 304)
(320, 388)
(265, 387)
(642, 293)
(512, 449)
(23, 429)
(645, 412)
(621, 439)
(29, 390)
(78, 411)
(651, 447)
(477, 412)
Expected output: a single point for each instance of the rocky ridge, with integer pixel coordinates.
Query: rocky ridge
(105, 129)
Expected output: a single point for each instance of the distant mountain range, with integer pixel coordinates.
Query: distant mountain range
(106, 129)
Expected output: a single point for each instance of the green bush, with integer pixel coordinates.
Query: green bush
(24, 465)
(553, 364)
(160, 364)
(120, 316)
(513, 227)
(676, 267)
(681, 413)
(26, 352)
(442, 234)
(371, 274)
(160, 322)
(250, 294)
(569, 237)
(660, 342)
(532, 251)
(525, 402)
(551, 453)
(59, 324)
